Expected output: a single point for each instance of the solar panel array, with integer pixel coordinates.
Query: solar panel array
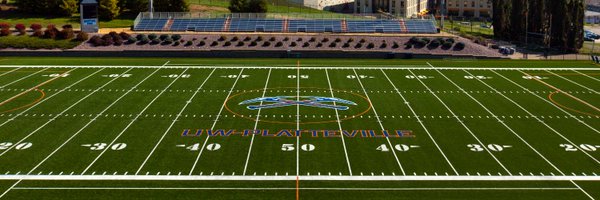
(256, 25)
(151, 25)
(315, 26)
(374, 26)
(201, 25)
(293, 25)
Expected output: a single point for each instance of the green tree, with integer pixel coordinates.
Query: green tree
(237, 6)
(108, 9)
(171, 6)
(257, 6)
(68, 7)
(136, 6)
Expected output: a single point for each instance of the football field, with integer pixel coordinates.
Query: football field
(188, 131)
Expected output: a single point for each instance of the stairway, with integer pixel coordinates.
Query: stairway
(403, 26)
(344, 26)
(168, 25)
(226, 25)
(285, 25)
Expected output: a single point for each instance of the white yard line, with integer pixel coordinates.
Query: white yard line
(339, 122)
(11, 71)
(86, 125)
(52, 119)
(538, 120)
(10, 188)
(293, 178)
(215, 123)
(396, 67)
(174, 121)
(544, 123)
(379, 121)
(284, 188)
(421, 122)
(23, 78)
(547, 101)
(576, 83)
(256, 123)
(581, 189)
(298, 120)
(591, 77)
(132, 122)
(499, 120)
(463, 124)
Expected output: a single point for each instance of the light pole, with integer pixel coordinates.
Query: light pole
(151, 8)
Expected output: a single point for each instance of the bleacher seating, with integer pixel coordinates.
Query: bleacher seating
(291, 25)
(315, 25)
(374, 26)
(258, 25)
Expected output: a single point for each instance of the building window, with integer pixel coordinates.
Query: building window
(402, 4)
(472, 4)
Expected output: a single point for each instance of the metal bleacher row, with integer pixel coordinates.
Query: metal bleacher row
(288, 25)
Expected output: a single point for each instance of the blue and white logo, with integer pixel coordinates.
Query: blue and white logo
(310, 101)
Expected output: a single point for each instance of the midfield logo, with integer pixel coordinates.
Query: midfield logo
(310, 101)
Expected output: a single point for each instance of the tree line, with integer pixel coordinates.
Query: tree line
(107, 9)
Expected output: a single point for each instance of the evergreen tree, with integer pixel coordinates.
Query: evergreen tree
(68, 7)
(257, 6)
(237, 6)
(136, 6)
(108, 9)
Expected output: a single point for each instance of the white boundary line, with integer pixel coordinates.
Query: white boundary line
(256, 124)
(174, 121)
(52, 119)
(538, 120)
(86, 125)
(25, 77)
(283, 188)
(298, 119)
(571, 81)
(132, 121)
(462, 123)
(499, 120)
(420, 122)
(293, 178)
(379, 121)
(337, 115)
(275, 67)
(591, 77)
(215, 123)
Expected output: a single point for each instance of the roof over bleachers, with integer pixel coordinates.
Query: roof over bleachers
(262, 22)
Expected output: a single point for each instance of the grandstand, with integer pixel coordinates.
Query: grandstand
(177, 22)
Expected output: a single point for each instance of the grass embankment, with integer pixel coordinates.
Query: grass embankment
(28, 42)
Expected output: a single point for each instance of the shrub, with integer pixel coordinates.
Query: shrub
(266, 44)
(253, 43)
(35, 27)
(337, 40)
(325, 40)
(131, 40)
(228, 43)
(358, 46)
(446, 45)
(118, 42)
(124, 35)
(37, 33)
(155, 41)
(459, 46)
(51, 32)
(163, 37)
(247, 39)
(176, 37)
(456, 29)
(21, 28)
(272, 39)
(395, 45)
(312, 39)
(235, 39)
(408, 46)
(222, 38)
(319, 44)
(306, 44)
(350, 40)
(18, 42)
(189, 43)
(140, 36)
(4, 26)
(96, 41)
(286, 39)
(383, 45)
(370, 46)
(333, 44)
(450, 40)
(259, 39)
(279, 44)
(176, 43)
(4, 29)
(202, 43)
(413, 40)
(214, 43)
(67, 32)
(107, 40)
(434, 44)
(152, 36)
(421, 43)
(299, 40)
(240, 43)
(168, 41)
(81, 36)
(144, 40)
(293, 44)
(427, 40)
(346, 45)
(362, 41)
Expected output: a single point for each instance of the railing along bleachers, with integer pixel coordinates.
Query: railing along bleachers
(315, 26)
(373, 26)
(256, 25)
